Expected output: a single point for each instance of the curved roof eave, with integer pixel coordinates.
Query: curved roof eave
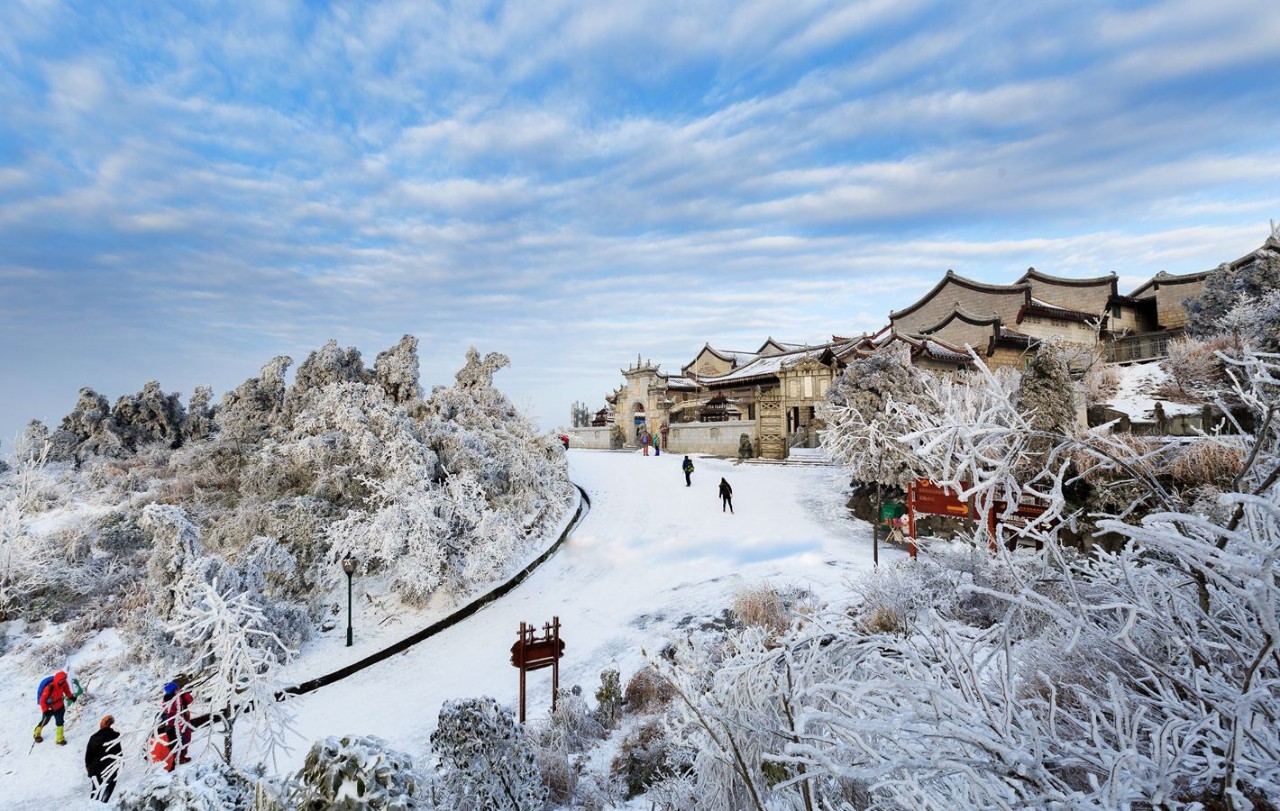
(1164, 277)
(1019, 288)
(965, 316)
(1110, 280)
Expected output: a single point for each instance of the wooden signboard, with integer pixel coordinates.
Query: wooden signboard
(930, 498)
(534, 652)
(1024, 514)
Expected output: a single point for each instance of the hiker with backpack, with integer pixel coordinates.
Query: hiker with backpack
(52, 695)
(687, 467)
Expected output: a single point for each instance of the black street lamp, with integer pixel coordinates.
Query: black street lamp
(349, 566)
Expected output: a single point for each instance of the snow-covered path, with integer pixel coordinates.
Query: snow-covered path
(651, 556)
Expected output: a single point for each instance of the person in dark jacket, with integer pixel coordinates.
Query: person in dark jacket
(726, 496)
(687, 467)
(52, 699)
(102, 760)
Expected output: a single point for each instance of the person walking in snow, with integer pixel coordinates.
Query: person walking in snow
(657, 449)
(726, 495)
(687, 467)
(644, 442)
(175, 723)
(52, 696)
(102, 760)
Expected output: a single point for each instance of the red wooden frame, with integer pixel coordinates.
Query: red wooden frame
(533, 652)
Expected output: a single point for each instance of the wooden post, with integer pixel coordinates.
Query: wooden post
(555, 663)
(911, 518)
(520, 656)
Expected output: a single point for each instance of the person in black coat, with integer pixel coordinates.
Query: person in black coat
(726, 496)
(687, 467)
(102, 760)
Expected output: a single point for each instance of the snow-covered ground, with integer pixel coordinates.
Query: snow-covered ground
(652, 558)
(1136, 395)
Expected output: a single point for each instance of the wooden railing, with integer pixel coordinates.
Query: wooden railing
(1141, 347)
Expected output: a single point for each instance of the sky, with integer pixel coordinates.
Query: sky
(189, 190)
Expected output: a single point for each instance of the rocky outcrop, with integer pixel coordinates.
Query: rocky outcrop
(478, 373)
(148, 417)
(327, 365)
(256, 404)
(89, 430)
(200, 415)
(396, 371)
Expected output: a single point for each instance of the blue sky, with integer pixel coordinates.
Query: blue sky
(186, 192)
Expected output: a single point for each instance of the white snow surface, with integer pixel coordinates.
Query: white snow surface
(1136, 394)
(652, 559)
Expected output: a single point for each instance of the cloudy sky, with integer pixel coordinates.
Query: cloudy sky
(187, 192)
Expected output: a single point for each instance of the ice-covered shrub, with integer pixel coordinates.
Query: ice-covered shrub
(647, 692)
(1196, 372)
(357, 772)
(573, 721)
(642, 758)
(609, 699)
(203, 786)
(486, 764)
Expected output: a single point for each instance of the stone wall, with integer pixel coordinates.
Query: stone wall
(1087, 298)
(713, 438)
(596, 438)
(1169, 297)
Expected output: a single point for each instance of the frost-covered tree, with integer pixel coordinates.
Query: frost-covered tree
(236, 655)
(486, 764)
(1046, 394)
(1256, 320)
(1228, 287)
(324, 367)
(862, 429)
(357, 772)
(1141, 677)
(464, 490)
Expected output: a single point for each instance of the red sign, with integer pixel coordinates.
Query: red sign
(534, 652)
(932, 499)
(1024, 515)
(538, 654)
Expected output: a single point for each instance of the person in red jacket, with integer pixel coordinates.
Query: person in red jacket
(52, 697)
(175, 723)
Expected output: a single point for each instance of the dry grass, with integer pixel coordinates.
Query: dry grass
(648, 692)
(1208, 462)
(884, 620)
(762, 607)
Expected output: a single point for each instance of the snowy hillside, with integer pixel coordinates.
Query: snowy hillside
(653, 559)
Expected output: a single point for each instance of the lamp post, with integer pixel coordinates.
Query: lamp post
(349, 566)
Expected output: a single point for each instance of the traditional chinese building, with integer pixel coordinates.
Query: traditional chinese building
(771, 395)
